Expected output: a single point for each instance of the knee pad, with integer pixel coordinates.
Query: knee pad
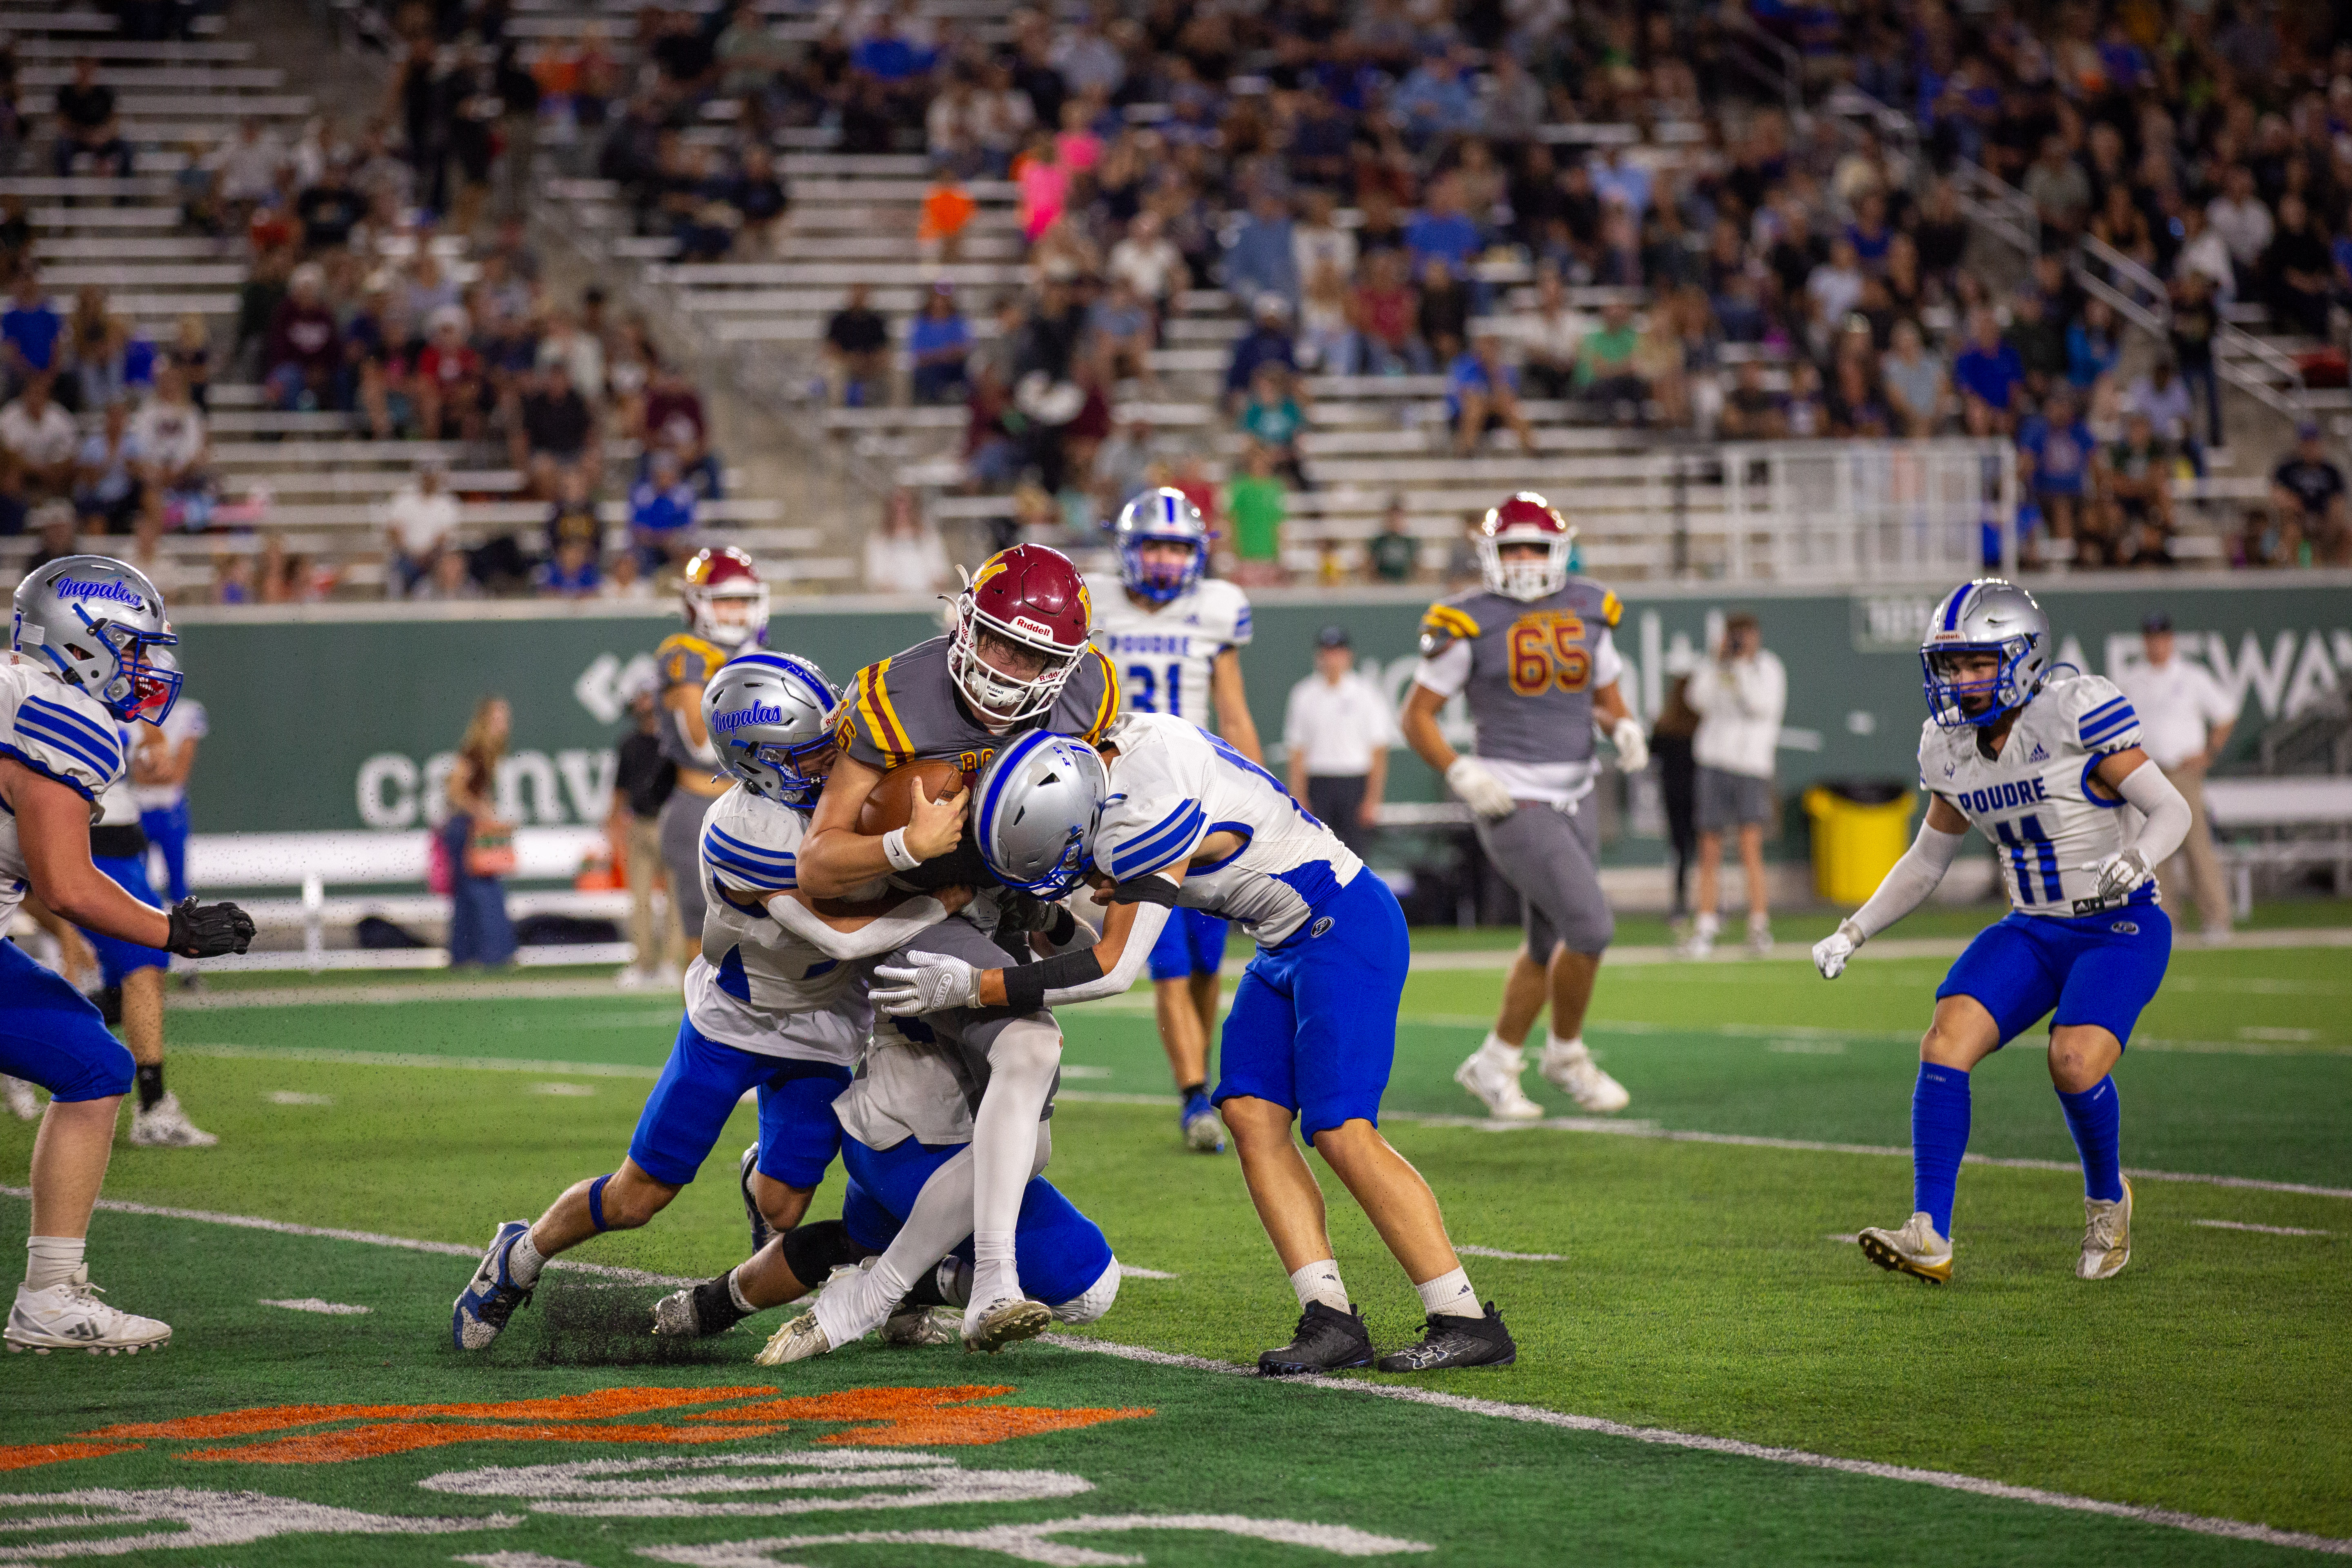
(1094, 1301)
(814, 1251)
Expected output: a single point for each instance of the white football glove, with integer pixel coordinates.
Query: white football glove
(1830, 953)
(2119, 873)
(1632, 744)
(1481, 791)
(932, 983)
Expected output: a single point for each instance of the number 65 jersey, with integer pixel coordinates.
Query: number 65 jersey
(2034, 802)
(1527, 669)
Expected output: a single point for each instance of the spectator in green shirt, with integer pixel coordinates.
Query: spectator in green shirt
(1604, 366)
(1256, 501)
(1393, 551)
(1271, 419)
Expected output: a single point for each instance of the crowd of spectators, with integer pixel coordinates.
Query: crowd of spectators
(1595, 206)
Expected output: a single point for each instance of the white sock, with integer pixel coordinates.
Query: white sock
(1757, 920)
(994, 1276)
(1450, 1295)
(735, 1294)
(857, 1306)
(1706, 923)
(1502, 1053)
(1320, 1281)
(1558, 1051)
(52, 1260)
(524, 1261)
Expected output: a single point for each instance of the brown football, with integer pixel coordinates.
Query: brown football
(892, 804)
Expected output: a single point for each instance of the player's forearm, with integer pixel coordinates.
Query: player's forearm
(1109, 968)
(1909, 881)
(2166, 808)
(860, 936)
(835, 861)
(1240, 731)
(1419, 726)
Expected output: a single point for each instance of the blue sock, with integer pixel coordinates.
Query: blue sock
(1939, 1136)
(2095, 1117)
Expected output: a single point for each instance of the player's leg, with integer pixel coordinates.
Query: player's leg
(1491, 1073)
(1751, 863)
(1706, 900)
(698, 1090)
(1182, 1034)
(1575, 907)
(681, 854)
(1996, 990)
(2116, 970)
(1345, 994)
(51, 1035)
(1257, 1096)
(135, 974)
(1205, 935)
(167, 829)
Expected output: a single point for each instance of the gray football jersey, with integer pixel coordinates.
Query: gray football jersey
(1531, 666)
(906, 709)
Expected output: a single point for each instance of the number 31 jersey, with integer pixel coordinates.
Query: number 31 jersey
(1163, 653)
(1528, 671)
(2033, 802)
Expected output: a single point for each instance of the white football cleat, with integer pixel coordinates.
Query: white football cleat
(911, 1326)
(633, 978)
(1760, 935)
(23, 1103)
(1006, 1320)
(70, 1316)
(800, 1340)
(164, 1125)
(1496, 1087)
(2107, 1237)
(1916, 1249)
(1593, 1090)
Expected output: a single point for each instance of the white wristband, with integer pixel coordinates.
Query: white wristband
(894, 850)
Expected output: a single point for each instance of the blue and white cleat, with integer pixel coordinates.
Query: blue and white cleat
(763, 1232)
(1202, 1129)
(491, 1296)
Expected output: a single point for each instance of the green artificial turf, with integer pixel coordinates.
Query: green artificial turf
(1700, 1288)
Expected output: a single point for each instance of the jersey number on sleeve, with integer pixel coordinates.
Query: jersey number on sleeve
(1547, 651)
(1143, 681)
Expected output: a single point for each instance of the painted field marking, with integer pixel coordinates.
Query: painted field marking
(1512, 1256)
(564, 1090)
(1806, 1047)
(2285, 1036)
(2234, 1530)
(2265, 1229)
(294, 1096)
(1074, 1070)
(1845, 1238)
(1133, 1271)
(517, 1559)
(666, 1019)
(312, 1304)
(1977, 1486)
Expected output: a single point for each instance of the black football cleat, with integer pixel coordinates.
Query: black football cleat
(1325, 1340)
(1450, 1341)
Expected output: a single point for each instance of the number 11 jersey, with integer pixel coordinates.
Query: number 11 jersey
(1163, 653)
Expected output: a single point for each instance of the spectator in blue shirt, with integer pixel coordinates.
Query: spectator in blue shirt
(1268, 342)
(572, 573)
(888, 56)
(1482, 393)
(1435, 99)
(1443, 230)
(1263, 259)
(2092, 345)
(1612, 176)
(662, 513)
(29, 331)
(1989, 369)
(938, 341)
(2056, 448)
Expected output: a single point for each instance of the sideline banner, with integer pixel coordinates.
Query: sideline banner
(347, 722)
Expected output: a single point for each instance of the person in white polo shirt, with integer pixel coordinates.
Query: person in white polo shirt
(1337, 729)
(2185, 719)
(1740, 695)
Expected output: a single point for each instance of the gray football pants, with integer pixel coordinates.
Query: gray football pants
(681, 853)
(1552, 859)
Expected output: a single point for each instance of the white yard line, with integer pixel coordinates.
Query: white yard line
(2265, 1229)
(1976, 1485)
(2229, 1529)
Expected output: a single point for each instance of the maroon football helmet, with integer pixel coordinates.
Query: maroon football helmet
(723, 598)
(1034, 599)
(1524, 518)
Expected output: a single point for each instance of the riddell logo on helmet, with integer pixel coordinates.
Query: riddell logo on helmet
(743, 717)
(90, 588)
(1034, 628)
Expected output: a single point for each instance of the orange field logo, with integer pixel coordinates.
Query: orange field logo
(335, 1434)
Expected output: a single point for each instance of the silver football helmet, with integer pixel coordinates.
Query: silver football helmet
(766, 714)
(91, 621)
(1035, 818)
(1160, 516)
(1987, 616)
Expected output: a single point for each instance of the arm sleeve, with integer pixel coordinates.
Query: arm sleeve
(1150, 919)
(1909, 881)
(877, 936)
(2166, 808)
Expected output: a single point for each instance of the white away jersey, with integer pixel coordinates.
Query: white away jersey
(1163, 652)
(2034, 801)
(60, 733)
(185, 721)
(755, 985)
(1172, 786)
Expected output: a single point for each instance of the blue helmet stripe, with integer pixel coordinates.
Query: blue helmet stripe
(69, 720)
(1007, 764)
(104, 763)
(1954, 605)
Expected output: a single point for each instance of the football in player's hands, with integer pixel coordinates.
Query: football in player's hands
(1830, 953)
(208, 931)
(929, 982)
